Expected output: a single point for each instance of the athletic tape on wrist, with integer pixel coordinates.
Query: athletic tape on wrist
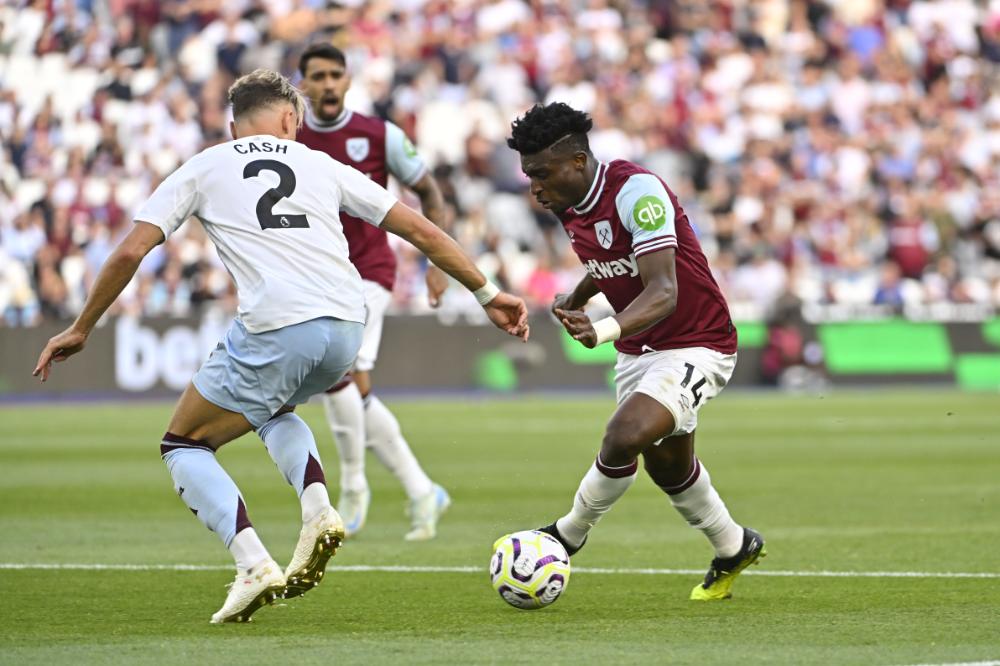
(607, 329)
(486, 293)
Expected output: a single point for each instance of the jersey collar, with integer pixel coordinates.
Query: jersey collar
(341, 121)
(594, 193)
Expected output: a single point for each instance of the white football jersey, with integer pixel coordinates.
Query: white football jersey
(272, 208)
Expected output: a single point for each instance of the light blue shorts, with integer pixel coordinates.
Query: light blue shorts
(256, 374)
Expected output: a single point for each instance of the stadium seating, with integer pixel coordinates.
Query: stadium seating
(836, 154)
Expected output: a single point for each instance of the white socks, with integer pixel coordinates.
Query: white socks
(600, 489)
(357, 425)
(386, 439)
(695, 499)
(700, 505)
(247, 550)
(292, 447)
(314, 499)
(345, 412)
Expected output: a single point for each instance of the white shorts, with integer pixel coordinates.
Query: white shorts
(682, 380)
(377, 299)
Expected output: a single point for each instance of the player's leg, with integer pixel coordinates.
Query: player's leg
(345, 414)
(385, 437)
(292, 447)
(246, 381)
(637, 423)
(687, 380)
(674, 468)
(427, 500)
(326, 348)
(197, 429)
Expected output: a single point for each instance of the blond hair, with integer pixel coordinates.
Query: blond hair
(263, 88)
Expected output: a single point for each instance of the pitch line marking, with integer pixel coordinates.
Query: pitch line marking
(993, 662)
(366, 568)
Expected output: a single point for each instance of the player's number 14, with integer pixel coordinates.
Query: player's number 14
(697, 385)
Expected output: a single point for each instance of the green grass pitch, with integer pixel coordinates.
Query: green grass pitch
(851, 482)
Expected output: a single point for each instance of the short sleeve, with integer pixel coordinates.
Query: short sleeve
(402, 158)
(173, 201)
(647, 212)
(360, 196)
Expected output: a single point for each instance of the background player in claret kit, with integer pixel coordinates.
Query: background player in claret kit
(676, 343)
(358, 419)
(271, 206)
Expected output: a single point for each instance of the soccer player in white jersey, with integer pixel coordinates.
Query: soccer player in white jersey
(271, 207)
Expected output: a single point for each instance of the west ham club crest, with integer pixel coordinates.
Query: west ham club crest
(604, 235)
(357, 148)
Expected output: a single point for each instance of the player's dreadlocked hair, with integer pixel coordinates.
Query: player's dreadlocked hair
(262, 88)
(542, 126)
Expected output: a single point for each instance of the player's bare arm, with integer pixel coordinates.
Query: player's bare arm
(655, 302)
(585, 290)
(433, 207)
(114, 276)
(507, 312)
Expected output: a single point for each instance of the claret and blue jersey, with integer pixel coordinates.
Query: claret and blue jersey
(378, 149)
(628, 213)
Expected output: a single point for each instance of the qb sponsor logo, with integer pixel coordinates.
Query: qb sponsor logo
(649, 213)
(408, 148)
(143, 358)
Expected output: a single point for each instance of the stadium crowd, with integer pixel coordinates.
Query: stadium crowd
(826, 151)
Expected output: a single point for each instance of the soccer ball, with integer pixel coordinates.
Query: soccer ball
(529, 569)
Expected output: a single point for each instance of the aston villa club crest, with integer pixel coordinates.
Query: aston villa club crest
(357, 148)
(604, 235)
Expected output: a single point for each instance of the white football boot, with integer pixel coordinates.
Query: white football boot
(251, 591)
(353, 509)
(425, 512)
(318, 542)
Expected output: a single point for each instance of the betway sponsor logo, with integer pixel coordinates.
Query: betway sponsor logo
(609, 269)
(143, 358)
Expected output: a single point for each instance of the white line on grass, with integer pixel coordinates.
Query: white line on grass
(965, 663)
(467, 569)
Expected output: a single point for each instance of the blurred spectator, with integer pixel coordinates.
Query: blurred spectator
(890, 286)
(790, 358)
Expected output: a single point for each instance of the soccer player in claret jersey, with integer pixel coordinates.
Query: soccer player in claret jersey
(676, 343)
(271, 207)
(358, 419)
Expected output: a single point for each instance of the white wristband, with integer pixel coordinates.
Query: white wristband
(486, 293)
(607, 329)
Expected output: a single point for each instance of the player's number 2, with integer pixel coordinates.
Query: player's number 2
(697, 385)
(265, 205)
